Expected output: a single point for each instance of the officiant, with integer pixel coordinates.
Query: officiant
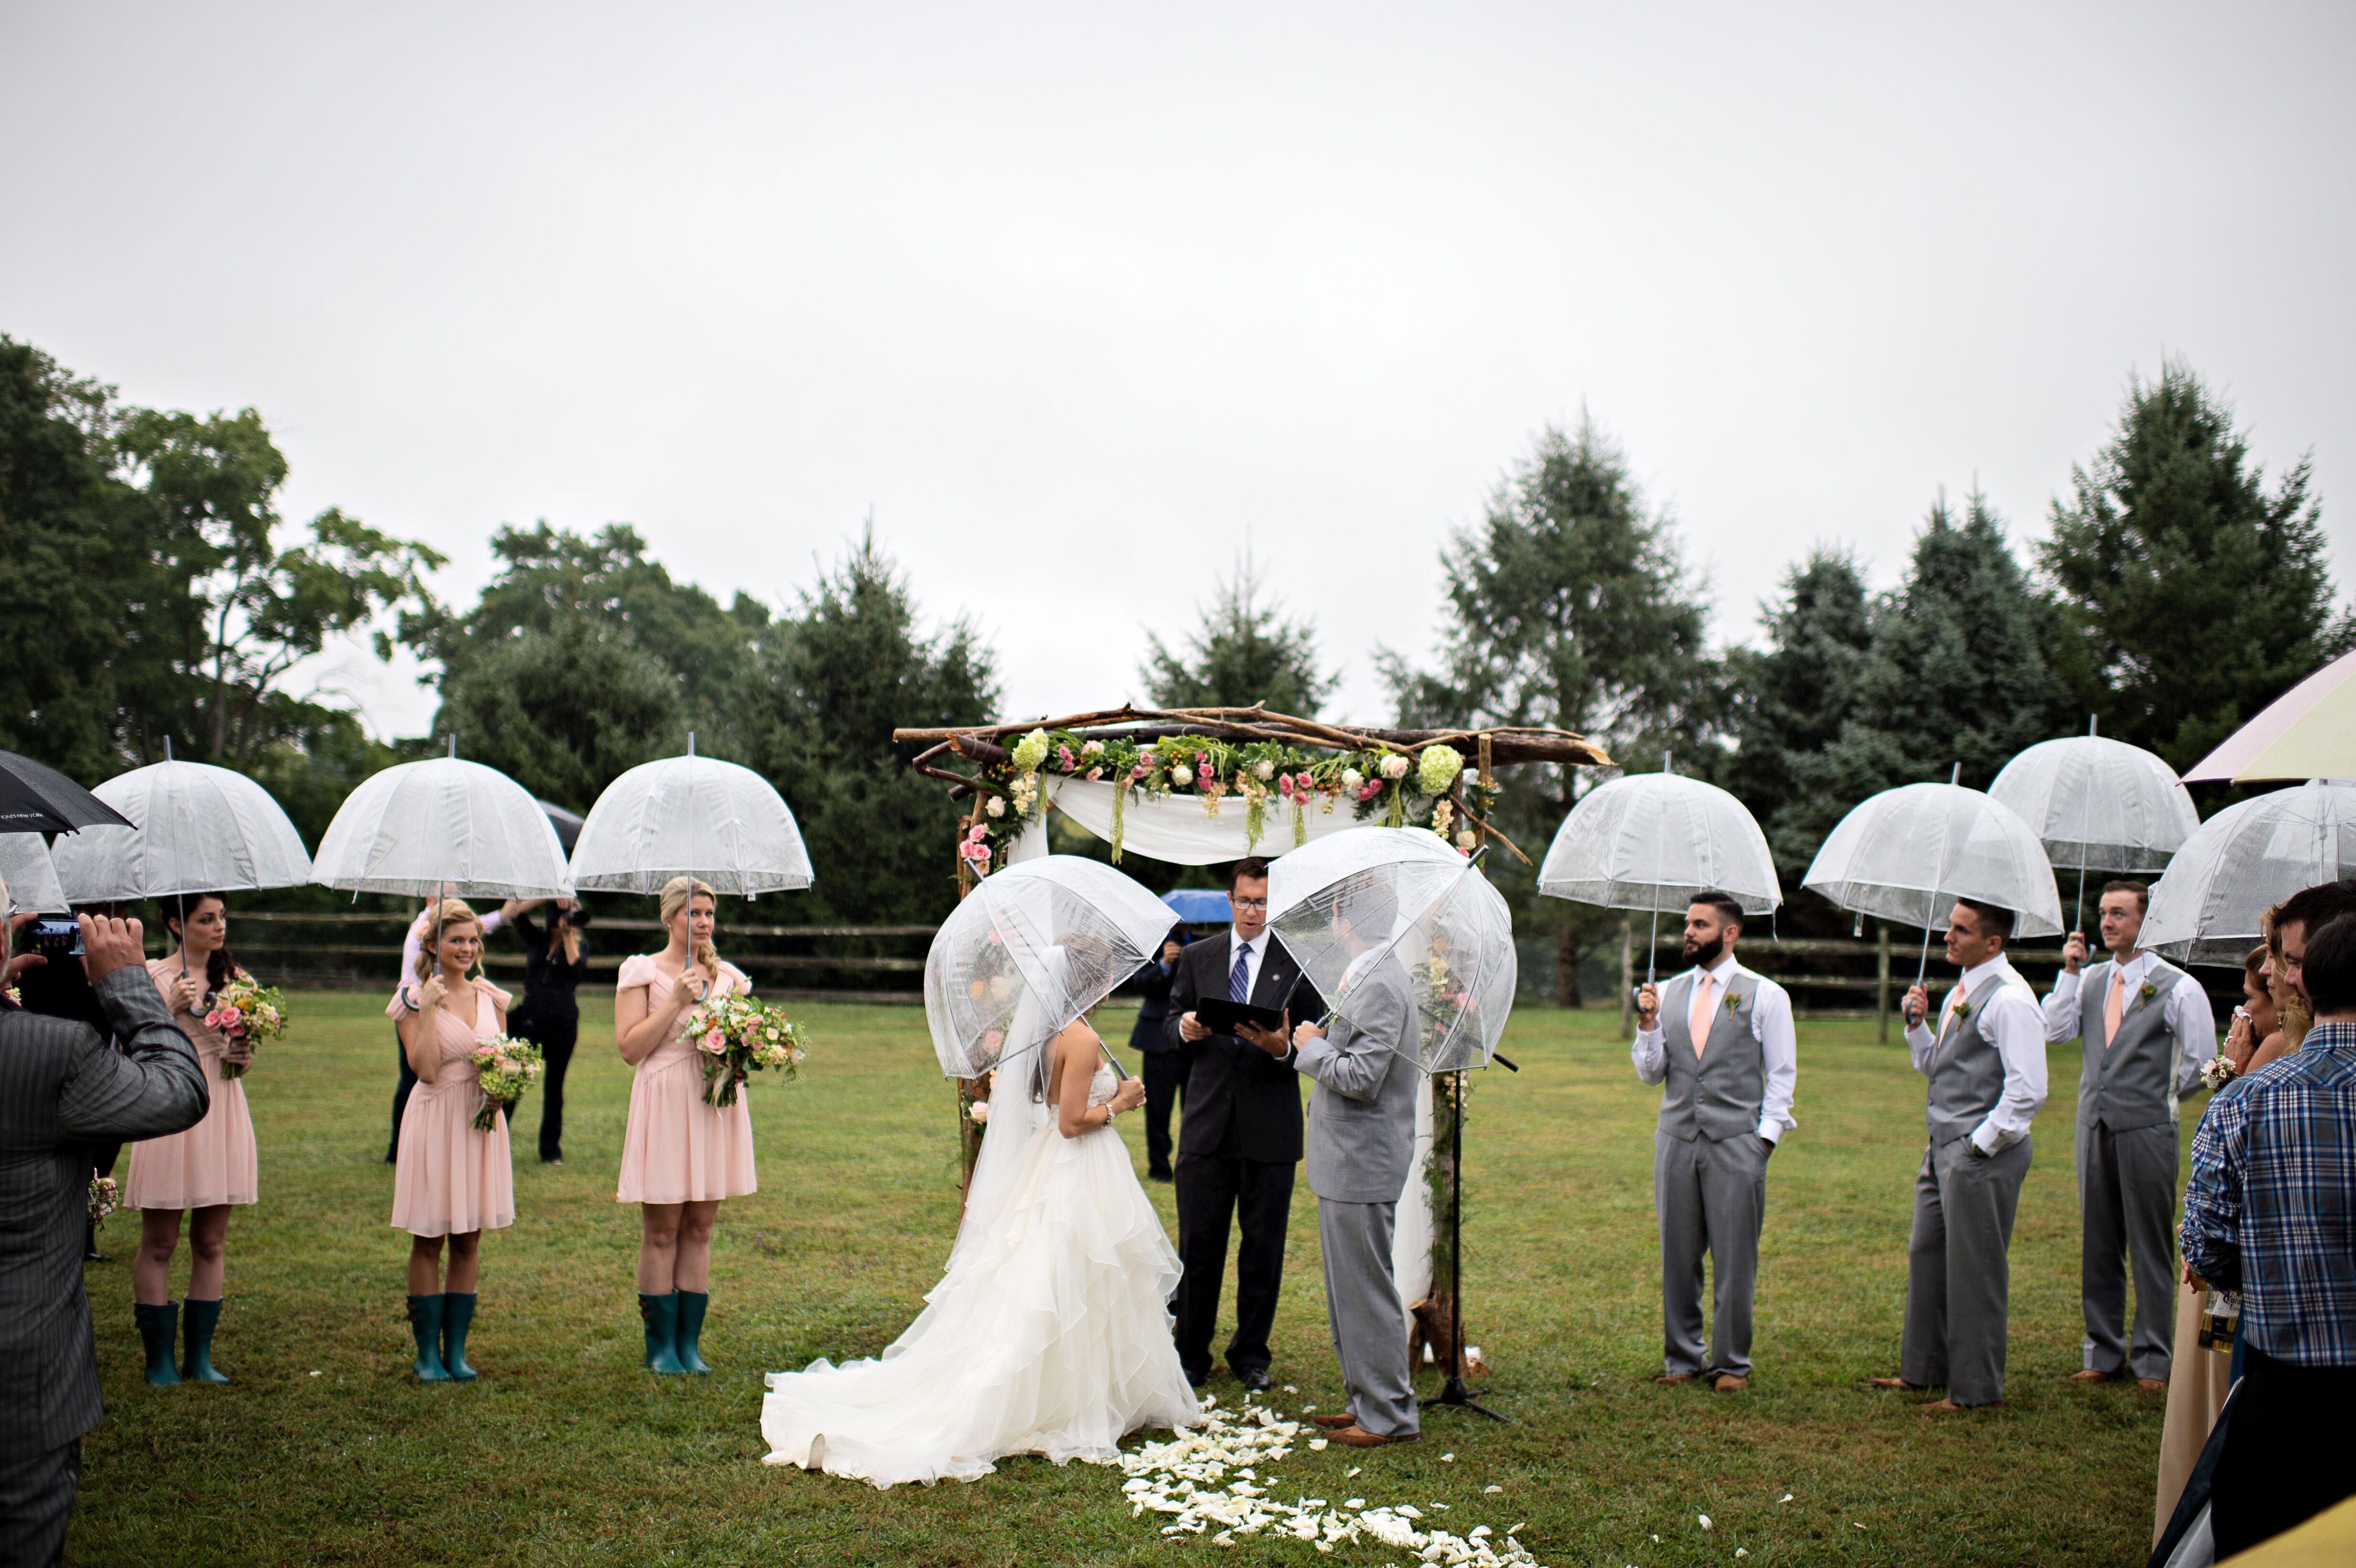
(1242, 1133)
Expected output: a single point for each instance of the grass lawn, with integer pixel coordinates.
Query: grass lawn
(324, 1450)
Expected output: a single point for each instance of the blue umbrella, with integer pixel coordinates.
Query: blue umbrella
(1200, 906)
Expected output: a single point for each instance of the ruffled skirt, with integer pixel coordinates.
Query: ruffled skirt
(1049, 1336)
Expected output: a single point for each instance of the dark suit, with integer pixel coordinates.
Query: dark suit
(64, 1087)
(1237, 1150)
(1162, 1066)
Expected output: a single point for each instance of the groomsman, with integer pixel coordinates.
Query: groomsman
(2147, 1027)
(1720, 1038)
(1986, 1061)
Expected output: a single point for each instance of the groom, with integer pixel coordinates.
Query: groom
(1361, 1148)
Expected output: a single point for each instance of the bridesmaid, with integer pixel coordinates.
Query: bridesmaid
(680, 1156)
(205, 1169)
(452, 1181)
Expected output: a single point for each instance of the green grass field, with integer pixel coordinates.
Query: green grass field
(324, 1450)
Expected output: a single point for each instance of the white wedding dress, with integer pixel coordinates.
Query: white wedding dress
(1048, 1334)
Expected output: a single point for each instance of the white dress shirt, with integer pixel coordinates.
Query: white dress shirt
(2012, 1017)
(2185, 1011)
(1770, 1026)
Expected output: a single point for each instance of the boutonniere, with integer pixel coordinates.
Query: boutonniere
(1962, 1007)
(2147, 992)
(1733, 1002)
(16, 997)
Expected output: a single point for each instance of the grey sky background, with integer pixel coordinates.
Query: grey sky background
(1078, 300)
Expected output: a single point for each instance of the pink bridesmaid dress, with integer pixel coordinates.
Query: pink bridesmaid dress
(452, 1178)
(678, 1149)
(212, 1162)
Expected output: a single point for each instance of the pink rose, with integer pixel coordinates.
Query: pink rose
(977, 834)
(1203, 770)
(1304, 782)
(1284, 786)
(1095, 773)
(1064, 755)
(1138, 771)
(1370, 789)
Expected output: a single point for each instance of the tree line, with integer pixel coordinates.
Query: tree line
(152, 589)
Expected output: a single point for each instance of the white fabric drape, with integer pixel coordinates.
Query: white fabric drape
(1176, 828)
(1412, 1232)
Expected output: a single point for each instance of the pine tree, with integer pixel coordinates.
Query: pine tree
(1789, 700)
(2189, 595)
(1249, 650)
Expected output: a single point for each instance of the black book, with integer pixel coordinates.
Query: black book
(1221, 1016)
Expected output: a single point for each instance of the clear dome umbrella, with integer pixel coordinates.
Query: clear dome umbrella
(2098, 805)
(1907, 854)
(691, 816)
(32, 880)
(2243, 861)
(442, 829)
(1652, 841)
(1418, 903)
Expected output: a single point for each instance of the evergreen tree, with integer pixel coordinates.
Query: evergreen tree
(1788, 701)
(1249, 650)
(1568, 605)
(2189, 595)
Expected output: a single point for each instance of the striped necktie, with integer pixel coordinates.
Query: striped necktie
(1239, 978)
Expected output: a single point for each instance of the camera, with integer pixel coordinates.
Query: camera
(56, 938)
(575, 916)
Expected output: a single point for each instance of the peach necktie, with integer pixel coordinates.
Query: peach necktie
(1697, 1020)
(2113, 1003)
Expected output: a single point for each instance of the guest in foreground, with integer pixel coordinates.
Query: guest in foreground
(680, 1154)
(1361, 1150)
(1726, 1051)
(203, 1170)
(556, 962)
(455, 1180)
(1986, 1061)
(2143, 1043)
(2270, 1212)
(64, 1086)
(1241, 1138)
(1162, 1064)
(405, 1079)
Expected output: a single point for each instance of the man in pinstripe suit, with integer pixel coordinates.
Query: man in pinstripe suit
(62, 1088)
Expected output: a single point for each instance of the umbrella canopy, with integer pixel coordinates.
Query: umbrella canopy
(2308, 732)
(442, 828)
(1422, 905)
(1652, 840)
(691, 816)
(201, 830)
(2098, 805)
(1033, 947)
(2244, 860)
(37, 799)
(32, 881)
(566, 822)
(1200, 906)
(1907, 854)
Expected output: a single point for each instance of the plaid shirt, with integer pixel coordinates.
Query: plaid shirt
(2271, 1209)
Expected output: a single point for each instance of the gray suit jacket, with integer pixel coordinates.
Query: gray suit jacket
(1362, 1111)
(62, 1088)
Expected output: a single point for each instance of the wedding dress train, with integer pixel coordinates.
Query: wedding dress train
(1048, 1334)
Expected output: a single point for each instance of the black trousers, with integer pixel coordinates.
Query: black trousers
(2285, 1458)
(1213, 1191)
(399, 1097)
(1164, 1073)
(556, 1038)
(37, 1498)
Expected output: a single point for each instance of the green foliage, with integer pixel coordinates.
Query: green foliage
(2190, 596)
(1788, 701)
(1247, 650)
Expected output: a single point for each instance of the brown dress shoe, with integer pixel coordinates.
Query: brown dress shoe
(1359, 1437)
(1727, 1382)
(2088, 1375)
(2151, 1385)
(1335, 1423)
(1667, 1378)
(1948, 1406)
(1894, 1384)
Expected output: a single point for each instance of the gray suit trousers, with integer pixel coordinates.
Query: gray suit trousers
(2126, 1200)
(1710, 1196)
(1958, 1275)
(1368, 1319)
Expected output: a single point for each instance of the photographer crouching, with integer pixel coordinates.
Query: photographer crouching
(64, 1087)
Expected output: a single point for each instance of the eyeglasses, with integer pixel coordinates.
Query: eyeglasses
(1246, 903)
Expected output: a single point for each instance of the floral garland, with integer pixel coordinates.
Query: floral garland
(1273, 780)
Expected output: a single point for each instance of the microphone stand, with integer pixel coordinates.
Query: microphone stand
(1453, 1392)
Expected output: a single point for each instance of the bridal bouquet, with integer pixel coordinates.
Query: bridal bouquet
(736, 1037)
(249, 1010)
(105, 1197)
(505, 1068)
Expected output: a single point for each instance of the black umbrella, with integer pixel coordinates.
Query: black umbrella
(567, 826)
(39, 799)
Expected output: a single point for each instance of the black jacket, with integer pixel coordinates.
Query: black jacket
(1239, 1099)
(1153, 998)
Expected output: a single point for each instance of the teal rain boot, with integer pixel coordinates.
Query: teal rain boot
(197, 1365)
(691, 1306)
(458, 1317)
(425, 1324)
(158, 1326)
(661, 1313)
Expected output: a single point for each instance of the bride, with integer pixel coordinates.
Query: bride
(1047, 1334)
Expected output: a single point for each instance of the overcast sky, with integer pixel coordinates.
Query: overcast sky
(1079, 301)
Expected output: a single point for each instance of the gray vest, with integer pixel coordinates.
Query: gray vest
(1717, 1095)
(2131, 1084)
(1966, 1073)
